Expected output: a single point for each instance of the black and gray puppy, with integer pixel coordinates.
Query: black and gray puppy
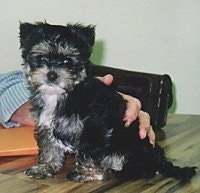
(78, 114)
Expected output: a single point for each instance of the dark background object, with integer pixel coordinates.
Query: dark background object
(153, 90)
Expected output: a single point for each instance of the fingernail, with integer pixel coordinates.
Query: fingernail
(127, 124)
(142, 134)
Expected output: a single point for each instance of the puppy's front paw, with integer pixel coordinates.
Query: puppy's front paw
(75, 176)
(85, 175)
(40, 171)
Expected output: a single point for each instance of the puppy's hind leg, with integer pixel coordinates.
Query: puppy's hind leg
(51, 156)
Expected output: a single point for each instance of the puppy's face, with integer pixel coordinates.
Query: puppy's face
(55, 57)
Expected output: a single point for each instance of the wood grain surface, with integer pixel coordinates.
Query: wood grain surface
(181, 143)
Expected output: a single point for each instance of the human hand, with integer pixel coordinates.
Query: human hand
(145, 127)
(133, 111)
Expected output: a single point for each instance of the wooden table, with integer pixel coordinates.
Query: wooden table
(182, 145)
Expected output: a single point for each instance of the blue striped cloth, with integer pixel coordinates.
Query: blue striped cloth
(14, 92)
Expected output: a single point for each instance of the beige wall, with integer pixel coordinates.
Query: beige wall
(158, 36)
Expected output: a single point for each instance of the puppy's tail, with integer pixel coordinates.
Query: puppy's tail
(167, 169)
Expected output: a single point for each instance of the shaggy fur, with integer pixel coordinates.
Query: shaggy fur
(78, 114)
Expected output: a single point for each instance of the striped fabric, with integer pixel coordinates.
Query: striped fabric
(13, 93)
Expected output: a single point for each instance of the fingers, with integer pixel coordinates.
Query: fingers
(107, 79)
(144, 124)
(132, 110)
(152, 137)
(145, 127)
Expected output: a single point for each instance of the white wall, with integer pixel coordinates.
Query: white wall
(143, 35)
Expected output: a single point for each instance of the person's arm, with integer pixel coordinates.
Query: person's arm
(22, 115)
(14, 93)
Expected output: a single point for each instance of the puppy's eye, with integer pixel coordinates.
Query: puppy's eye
(67, 61)
(42, 59)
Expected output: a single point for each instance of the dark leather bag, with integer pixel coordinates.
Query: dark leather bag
(153, 90)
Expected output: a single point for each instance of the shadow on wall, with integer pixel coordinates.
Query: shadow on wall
(98, 52)
(98, 56)
(173, 107)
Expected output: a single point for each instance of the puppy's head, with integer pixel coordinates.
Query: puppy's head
(55, 57)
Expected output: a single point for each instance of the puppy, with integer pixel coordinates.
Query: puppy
(77, 114)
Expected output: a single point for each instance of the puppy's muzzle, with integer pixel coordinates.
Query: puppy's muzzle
(52, 76)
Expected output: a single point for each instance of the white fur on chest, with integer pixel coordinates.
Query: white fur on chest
(47, 114)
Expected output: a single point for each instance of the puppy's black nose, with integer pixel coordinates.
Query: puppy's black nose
(52, 76)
